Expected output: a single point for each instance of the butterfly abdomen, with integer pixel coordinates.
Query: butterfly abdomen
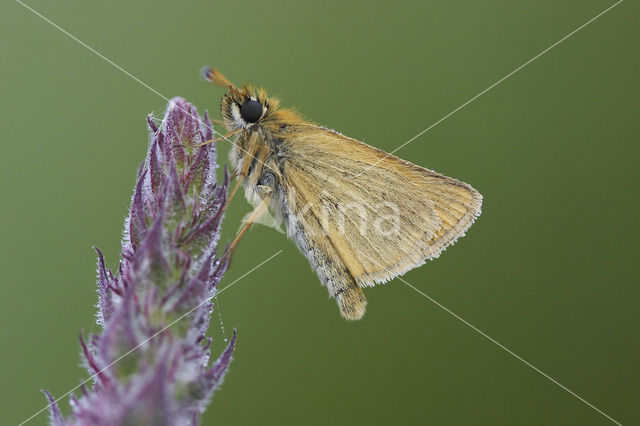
(310, 237)
(352, 303)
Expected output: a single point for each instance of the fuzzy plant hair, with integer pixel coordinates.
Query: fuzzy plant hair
(150, 362)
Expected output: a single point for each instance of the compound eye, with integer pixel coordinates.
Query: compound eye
(251, 111)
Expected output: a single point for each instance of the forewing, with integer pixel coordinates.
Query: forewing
(383, 215)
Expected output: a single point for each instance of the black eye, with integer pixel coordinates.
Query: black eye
(251, 111)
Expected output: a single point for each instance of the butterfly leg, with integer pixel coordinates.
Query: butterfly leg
(218, 139)
(243, 173)
(233, 193)
(257, 212)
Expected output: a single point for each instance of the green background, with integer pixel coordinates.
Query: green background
(549, 270)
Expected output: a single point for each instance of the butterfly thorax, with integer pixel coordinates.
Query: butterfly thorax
(259, 152)
(360, 216)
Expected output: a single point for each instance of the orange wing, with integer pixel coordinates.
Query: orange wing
(382, 215)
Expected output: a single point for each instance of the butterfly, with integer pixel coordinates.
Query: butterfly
(359, 215)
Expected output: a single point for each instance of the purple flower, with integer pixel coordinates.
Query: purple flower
(151, 359)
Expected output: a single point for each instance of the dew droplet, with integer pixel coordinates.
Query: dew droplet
(220, 317)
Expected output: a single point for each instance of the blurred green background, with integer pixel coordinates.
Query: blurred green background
(549, 270)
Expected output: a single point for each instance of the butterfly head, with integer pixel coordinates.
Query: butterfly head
(245, 107)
